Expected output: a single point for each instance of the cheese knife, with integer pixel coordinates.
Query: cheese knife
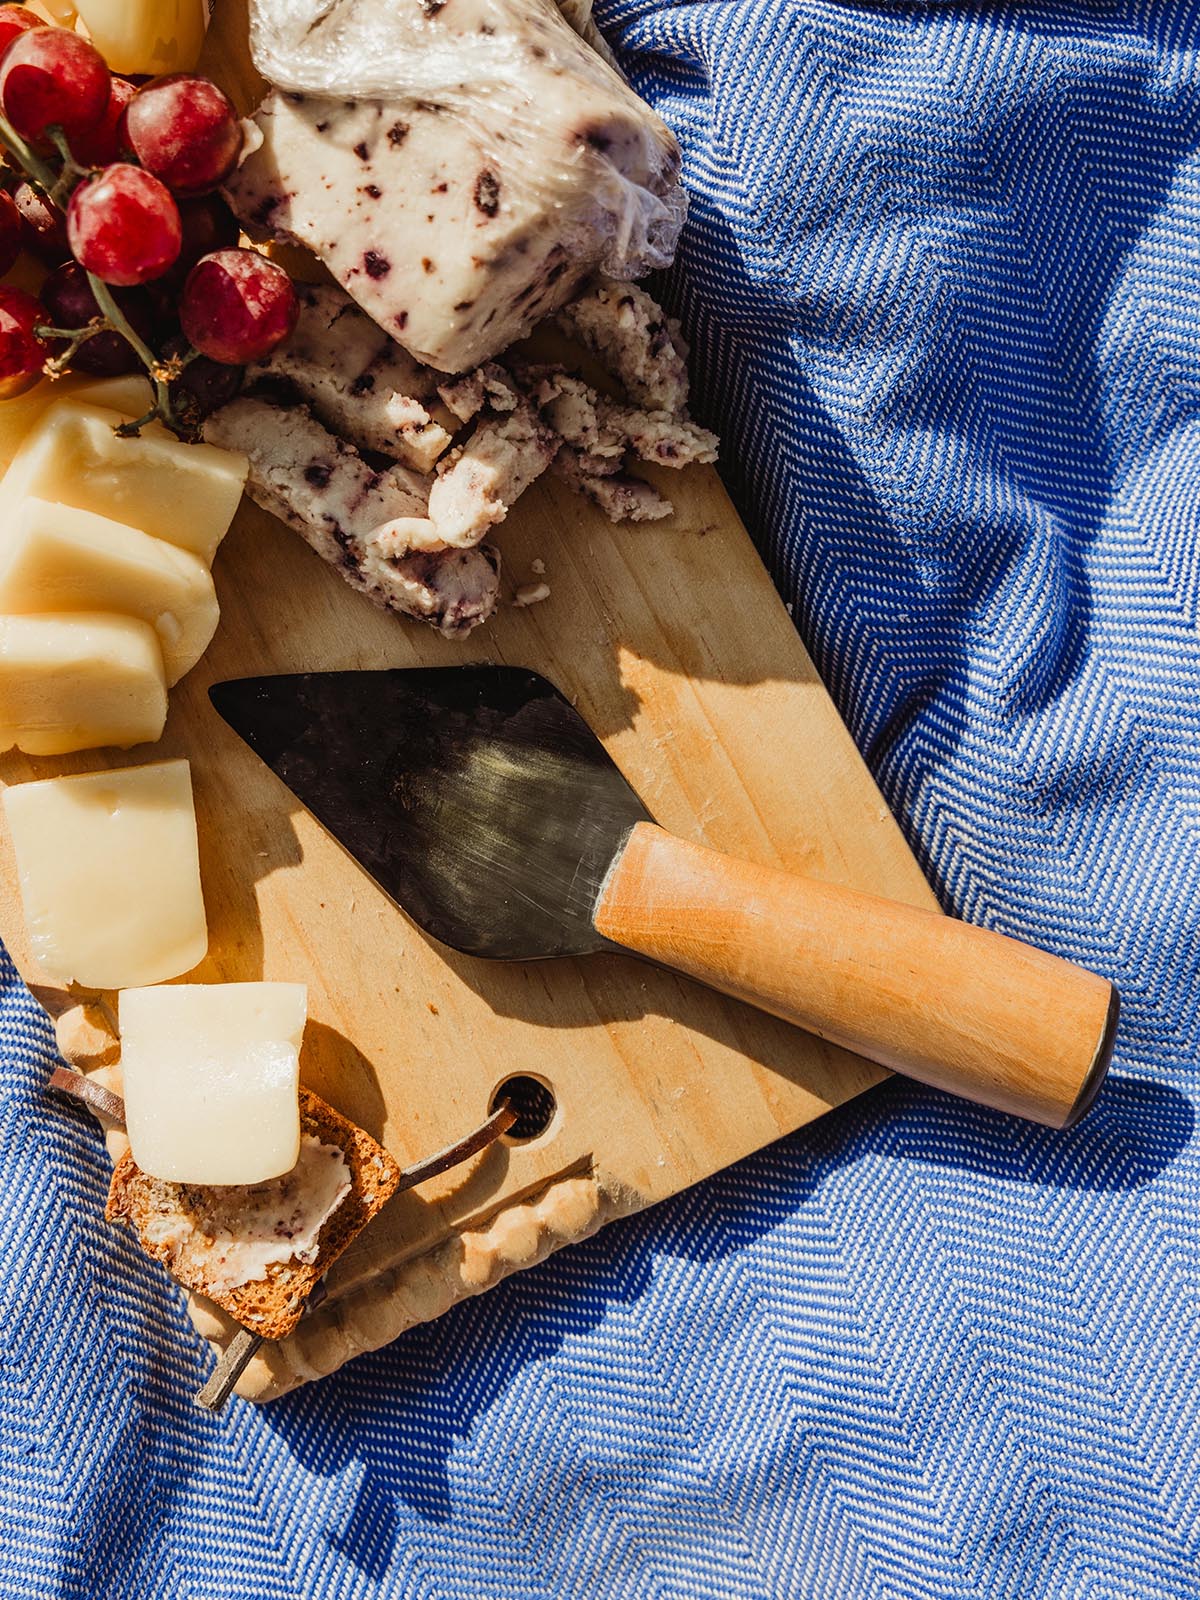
(483, 804)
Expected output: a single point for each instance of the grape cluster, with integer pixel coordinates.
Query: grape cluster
(113, 186)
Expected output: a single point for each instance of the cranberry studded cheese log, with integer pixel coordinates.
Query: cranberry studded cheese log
(460, 165)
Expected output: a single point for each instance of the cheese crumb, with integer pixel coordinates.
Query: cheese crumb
(529, 594)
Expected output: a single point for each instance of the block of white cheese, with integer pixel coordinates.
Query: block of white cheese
(460, 167)
(183, 493)
(79, 682)
(211, 1076)
(56, 558)
(132, 395)
(146, 36)
(110, 874)
(19, 415)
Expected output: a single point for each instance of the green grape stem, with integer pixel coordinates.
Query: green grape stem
(71, 173)
(34, 167)
(156, 369)
(130, 430)
(57, 189)
(45, 330)
(55, 366)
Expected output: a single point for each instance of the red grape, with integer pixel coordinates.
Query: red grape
(50, 77)
(208, 384)
(11, 232)
(44, 225)
(15, 20)
(21, 353)
(100, 145)
(237, 306)
(208, 225)
(124, 226)
(204, 385)
(185, 131)
(69, 302)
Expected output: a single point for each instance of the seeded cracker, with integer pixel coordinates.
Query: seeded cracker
(271, 1306)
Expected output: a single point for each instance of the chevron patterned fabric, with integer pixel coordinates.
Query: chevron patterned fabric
(942, 275)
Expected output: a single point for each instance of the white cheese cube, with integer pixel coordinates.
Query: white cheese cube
(19, 415)
(79, 683)
(132, 395)
(183, 493)
(110, 874)
(61, 12)
(211, 1076)
(56, 558)
(151, 36)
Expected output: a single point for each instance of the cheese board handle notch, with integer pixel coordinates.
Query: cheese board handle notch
(245, 1344)
(956, 1006)
(533, 1105)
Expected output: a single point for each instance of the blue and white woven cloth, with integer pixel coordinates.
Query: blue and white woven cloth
(942, 275)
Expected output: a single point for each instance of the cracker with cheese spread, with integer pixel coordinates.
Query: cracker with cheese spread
(259, 1250)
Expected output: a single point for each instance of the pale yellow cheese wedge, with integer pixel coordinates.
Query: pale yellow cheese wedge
(110, 874)
(183, 493)
(57, 558)
(79, 682)
(132, 395)
(19, 415)
(153, 36)
(211, 1076)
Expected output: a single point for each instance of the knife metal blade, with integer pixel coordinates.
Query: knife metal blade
(476, 797)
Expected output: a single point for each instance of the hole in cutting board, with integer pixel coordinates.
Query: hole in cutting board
(533, 1101)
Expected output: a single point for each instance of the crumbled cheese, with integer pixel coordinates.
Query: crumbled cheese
(343, 508)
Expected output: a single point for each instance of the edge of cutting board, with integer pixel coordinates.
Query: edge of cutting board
(677, 649)
(674, 644)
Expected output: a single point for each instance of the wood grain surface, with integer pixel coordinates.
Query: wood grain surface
(952, 1005)
(675, 646)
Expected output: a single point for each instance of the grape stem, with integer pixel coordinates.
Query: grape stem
(45, 330)
(154, 367)
(130, 430)
(71, 173)
(57, 365)
(35, 167)
(110, 308)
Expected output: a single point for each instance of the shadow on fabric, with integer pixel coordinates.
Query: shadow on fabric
(446, 1375)
(954, 424)
(1132, 1134)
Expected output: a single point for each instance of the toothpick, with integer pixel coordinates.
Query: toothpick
(245, 1345)
(235, 1358)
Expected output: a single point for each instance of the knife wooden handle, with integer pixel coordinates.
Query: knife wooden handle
(969, 1011)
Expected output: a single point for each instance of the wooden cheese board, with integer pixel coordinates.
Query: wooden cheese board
(673, 643)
